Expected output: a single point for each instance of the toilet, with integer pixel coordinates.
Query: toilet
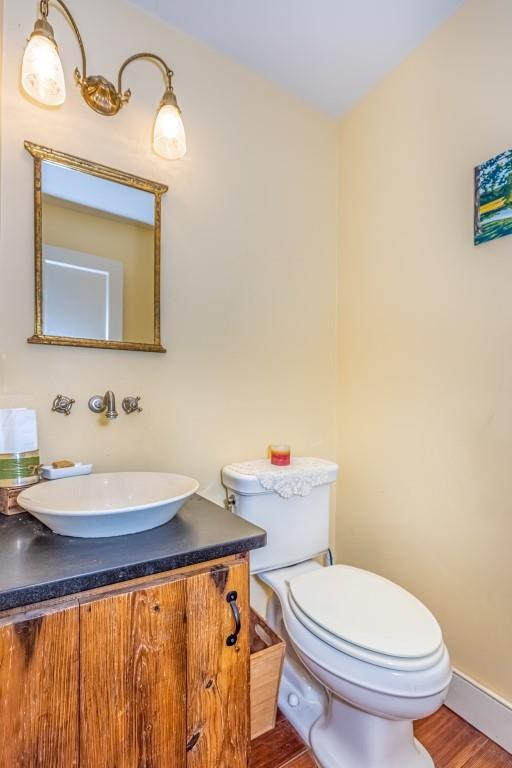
(364, 657)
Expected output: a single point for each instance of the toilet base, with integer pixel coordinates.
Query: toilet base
(346, 737)
(302, 700)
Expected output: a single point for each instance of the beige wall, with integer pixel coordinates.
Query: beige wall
(425, 385)
(129, 242)
(248, 252)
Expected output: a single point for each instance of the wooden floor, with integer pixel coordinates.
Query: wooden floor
(451, 742)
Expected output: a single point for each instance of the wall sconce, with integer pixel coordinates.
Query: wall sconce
(42, 78)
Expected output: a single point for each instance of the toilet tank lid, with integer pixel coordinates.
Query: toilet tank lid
(249, 478)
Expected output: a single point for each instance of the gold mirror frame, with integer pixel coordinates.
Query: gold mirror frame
(39, 154)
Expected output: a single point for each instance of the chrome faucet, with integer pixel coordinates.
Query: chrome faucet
(107, 403)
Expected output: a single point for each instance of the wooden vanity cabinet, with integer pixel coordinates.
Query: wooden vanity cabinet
(39, 688)
(139, 675)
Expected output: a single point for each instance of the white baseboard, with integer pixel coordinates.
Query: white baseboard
(481, 708)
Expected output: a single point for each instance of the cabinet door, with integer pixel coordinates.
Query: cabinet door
(39, 689)
(217, 673)
(133, 678)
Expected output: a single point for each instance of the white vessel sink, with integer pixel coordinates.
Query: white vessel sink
(114, 504)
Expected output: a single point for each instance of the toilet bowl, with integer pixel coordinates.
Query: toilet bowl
(373, 695)
(364, 657)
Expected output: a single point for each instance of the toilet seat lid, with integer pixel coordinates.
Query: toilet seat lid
(367, 611)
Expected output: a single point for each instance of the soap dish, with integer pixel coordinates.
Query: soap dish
(50, 473)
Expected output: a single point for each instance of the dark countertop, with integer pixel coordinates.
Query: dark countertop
(37, 564)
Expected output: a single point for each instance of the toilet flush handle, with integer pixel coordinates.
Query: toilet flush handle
(231, 599)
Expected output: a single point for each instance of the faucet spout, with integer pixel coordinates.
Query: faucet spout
(110, 405)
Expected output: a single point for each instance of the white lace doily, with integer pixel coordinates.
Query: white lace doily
(297, 479)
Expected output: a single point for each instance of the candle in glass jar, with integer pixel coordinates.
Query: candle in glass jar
(280, 455)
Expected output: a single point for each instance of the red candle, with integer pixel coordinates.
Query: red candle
(280, 455)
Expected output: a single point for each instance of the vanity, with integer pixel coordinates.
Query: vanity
(126, 652)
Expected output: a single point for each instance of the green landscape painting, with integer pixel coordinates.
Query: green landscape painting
(493, 198)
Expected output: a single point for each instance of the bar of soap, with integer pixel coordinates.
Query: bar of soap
(62, 464)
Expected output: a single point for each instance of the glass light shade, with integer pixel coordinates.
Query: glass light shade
(41, 73)
(169, 133)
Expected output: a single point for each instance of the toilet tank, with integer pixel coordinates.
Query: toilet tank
(297, 527)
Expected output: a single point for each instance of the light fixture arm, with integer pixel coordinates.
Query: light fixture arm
(169, 96)
(44, 13)
(152, 57)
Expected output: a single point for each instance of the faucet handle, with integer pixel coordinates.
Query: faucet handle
(96, 404)
(63, 404)
(131, 404)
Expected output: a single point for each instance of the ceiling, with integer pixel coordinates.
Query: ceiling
(328, 53)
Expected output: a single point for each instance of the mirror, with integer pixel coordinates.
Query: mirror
(97, 254)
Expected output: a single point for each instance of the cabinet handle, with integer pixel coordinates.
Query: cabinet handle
(231, 599)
